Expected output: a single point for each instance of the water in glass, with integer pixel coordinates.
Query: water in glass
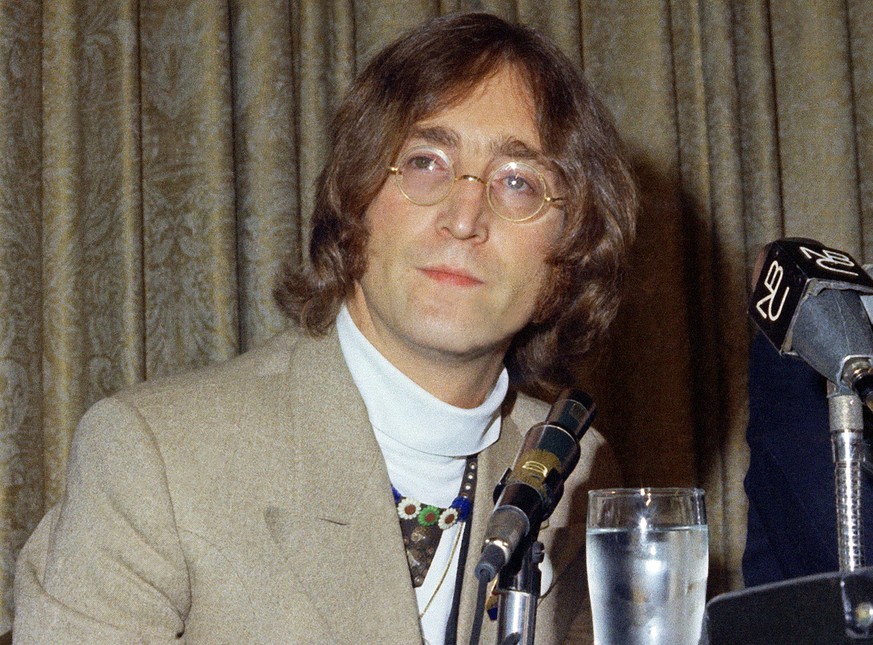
(647, 586)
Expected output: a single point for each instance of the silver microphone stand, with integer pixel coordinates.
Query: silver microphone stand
(846, 426)
(518, 591)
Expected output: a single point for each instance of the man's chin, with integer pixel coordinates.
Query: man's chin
(459, 342)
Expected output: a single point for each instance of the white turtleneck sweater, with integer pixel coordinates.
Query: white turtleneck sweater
(425, 442)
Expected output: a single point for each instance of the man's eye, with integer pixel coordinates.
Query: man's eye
(423, 163)
(516, 183)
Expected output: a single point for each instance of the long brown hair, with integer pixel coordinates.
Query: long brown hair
(428, 70)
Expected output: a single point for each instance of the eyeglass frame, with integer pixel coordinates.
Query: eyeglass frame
(548, 200)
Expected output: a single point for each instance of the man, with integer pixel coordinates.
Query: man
(474, 214)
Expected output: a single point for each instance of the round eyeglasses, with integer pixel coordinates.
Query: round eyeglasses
(515, 191)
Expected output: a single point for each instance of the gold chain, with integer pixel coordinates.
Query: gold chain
(446, 571)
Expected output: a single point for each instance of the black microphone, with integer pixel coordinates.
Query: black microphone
(530, 490)
(807, 301)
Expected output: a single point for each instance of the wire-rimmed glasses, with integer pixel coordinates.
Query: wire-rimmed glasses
(516, 191)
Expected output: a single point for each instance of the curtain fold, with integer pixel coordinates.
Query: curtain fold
(762, 194)
(62, 252)
(268, 214)
(158, 162)
(860, 30)
(22, 440)
(189, 225)
(816, 129)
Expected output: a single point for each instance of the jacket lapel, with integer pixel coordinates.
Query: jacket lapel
(492, 464)
(341, 535)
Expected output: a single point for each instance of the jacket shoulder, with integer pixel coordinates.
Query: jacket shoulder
(268, 360)
(205, 408)
(527, 410)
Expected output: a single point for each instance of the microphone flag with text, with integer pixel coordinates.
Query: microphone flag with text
(530, 490)
(808, 300)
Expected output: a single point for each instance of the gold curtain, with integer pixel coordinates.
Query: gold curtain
(157, 161)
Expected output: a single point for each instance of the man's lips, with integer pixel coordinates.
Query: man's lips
(451, 276)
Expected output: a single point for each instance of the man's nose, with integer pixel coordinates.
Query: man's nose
(466, 213)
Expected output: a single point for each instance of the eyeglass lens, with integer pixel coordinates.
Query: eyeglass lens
(515, 190)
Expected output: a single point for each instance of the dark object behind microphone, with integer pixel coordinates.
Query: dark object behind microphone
(530, 490)
(790, 480)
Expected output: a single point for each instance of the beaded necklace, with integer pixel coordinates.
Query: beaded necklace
(422, 525)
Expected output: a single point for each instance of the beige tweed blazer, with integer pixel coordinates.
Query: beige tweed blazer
(249, 503)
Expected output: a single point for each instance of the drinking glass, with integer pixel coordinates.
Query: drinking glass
(648, 557)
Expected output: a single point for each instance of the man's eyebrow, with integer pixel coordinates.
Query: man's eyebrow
(512, 147)
(436, 135)
(505, 147)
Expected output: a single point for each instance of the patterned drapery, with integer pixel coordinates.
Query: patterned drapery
(157, 162)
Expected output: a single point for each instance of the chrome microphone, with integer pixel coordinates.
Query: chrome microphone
(530, 490)
(807, 300)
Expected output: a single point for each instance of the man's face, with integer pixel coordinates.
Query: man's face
(453, 282)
